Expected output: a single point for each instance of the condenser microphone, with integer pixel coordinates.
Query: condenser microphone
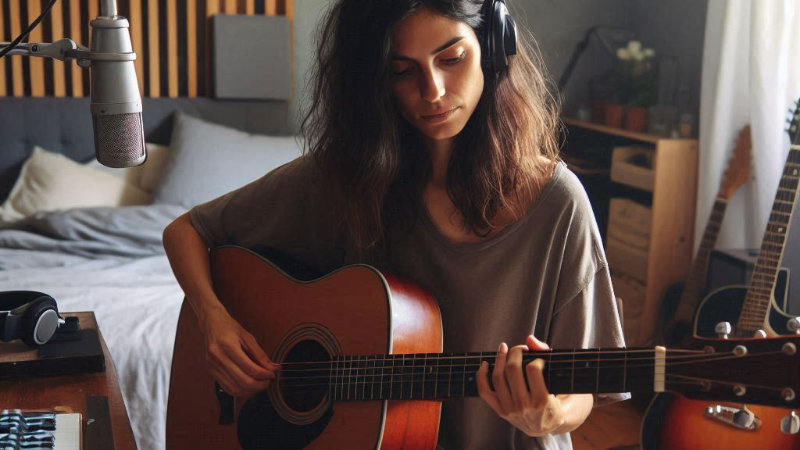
(116, 104)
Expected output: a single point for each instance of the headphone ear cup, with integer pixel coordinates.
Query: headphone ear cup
(40, 322)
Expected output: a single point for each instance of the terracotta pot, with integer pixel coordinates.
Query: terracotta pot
(598, 111)
(614, 114)
(636, 118)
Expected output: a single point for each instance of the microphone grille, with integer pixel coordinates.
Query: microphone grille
(119, 139)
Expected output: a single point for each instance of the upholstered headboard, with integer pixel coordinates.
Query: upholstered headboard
(64, 125)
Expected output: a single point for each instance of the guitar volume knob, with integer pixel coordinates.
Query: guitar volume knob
(790, 424)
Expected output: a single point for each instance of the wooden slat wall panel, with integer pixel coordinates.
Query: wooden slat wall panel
(171, 61)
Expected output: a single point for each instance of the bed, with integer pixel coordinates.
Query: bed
(91, 237)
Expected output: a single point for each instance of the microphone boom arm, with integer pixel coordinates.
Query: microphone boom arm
(65, 49)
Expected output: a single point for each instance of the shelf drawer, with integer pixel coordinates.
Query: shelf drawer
(632, 293)
(634, 166)
(630, 222)
(627, 259)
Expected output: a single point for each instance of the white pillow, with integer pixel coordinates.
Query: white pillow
(50, 181)
(145, 176)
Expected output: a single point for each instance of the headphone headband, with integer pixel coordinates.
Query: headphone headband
(499, 37)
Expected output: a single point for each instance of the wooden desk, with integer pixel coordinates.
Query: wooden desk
(71, 393)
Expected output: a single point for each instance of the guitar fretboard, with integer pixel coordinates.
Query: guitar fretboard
(762, 282)
(447, 375)
(698, 274)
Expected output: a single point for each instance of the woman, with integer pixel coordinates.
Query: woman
(431, 159)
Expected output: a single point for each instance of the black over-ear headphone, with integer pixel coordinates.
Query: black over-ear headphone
(28, 315)
(499, 39)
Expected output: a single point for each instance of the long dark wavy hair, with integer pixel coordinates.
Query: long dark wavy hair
(376, 163)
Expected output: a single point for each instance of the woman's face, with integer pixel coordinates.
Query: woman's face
(437, 78)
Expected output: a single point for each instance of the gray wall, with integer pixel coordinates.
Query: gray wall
(672, 27)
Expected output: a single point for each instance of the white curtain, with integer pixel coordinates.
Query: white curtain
(751, 75)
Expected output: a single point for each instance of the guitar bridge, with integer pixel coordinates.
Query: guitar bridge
(739, 418)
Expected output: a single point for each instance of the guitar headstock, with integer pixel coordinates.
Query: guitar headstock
(738, 171)
(762, 371)
(794, 125)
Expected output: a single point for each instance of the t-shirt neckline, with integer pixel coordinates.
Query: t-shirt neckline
(466, 247)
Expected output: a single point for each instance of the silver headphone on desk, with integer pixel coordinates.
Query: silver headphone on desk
(28, 315)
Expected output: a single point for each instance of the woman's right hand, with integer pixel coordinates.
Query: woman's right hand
(234, 357)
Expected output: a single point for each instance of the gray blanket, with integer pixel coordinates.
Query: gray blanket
(132, 232)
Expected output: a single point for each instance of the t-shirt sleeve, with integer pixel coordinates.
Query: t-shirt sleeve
(591, 319)
(286, 210)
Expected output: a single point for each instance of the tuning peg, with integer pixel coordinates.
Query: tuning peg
(723, 329)
(790, 424)
(760, 334)
(793, 324)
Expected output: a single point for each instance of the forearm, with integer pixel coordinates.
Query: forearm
(576, 408)
(188, 257)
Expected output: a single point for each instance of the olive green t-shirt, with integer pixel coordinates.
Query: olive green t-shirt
(546, 274)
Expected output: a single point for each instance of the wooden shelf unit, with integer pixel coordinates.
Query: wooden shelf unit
(674, 197)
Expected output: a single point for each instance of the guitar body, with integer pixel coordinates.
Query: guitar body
(353, 311)
(725, 305)
(676, 423)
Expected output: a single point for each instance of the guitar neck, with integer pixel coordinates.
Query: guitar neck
(762, 283)
(448, 375)
(697, 276)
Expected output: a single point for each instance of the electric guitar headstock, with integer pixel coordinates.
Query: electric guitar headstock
(755, 370)
(738, 171)
(794, 125)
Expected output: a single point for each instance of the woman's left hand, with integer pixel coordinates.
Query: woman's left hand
(536, 412)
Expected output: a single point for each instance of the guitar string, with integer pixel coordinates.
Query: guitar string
(325, 366)
(426, 357)
(681, 379)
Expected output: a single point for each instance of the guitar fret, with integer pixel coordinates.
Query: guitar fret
(449, 375)
(424, 371)
(391, 378)
(464, 376)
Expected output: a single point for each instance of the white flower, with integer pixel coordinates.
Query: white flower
(638, 56)
(649, 53)
(634, 47)
(623, 54)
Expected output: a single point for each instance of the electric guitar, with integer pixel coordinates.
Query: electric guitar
(677, 318)
(362, 364)
(680, 423)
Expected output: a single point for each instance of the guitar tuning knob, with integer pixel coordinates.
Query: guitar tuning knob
(723, 329)
(760, 334)
(794, 325)
(790, 424)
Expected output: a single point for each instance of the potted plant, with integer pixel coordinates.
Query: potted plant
(636, 88)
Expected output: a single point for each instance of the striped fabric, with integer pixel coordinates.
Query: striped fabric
(170, 39)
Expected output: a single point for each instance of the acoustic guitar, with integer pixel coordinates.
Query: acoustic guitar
(362, 364)
(672, 422)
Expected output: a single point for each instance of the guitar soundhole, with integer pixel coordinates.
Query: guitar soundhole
(303, 382)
